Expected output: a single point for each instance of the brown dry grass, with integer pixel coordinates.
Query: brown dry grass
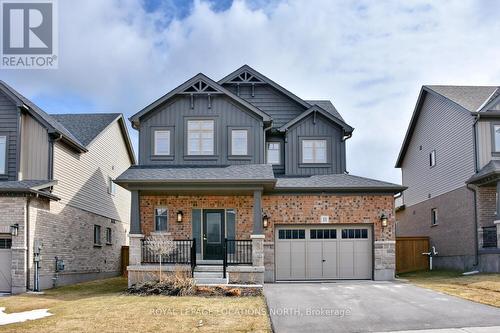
(102, 306)
(481, 288)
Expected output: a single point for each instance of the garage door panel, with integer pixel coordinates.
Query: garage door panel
(362, 259)
(330, 256)
(314, 260)
(346, 259)
(5, 264)
(283, 253)
(298, 260)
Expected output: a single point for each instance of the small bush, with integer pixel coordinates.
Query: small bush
(173, 285)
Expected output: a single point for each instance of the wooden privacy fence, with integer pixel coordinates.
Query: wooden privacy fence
(124, 256)
(409, 257)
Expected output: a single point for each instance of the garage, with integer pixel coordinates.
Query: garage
(5, 264)
(321, 252)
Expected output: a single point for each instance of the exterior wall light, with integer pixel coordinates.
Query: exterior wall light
(384, 220)
(265, 221)
(180, 215)
(14, 229)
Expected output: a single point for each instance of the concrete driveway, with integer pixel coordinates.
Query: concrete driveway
(368, 306)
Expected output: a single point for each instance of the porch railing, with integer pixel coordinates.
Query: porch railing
(490, 236)
(237, 252)
(184, 253)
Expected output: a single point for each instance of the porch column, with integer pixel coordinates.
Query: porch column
(257, 213)
(135, 236)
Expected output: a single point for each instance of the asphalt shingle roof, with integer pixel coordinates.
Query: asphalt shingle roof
(23, 184)
(327, 106)
(469, 97)
(85, 126)
(490, 169)
(247, 172)
(335, 182)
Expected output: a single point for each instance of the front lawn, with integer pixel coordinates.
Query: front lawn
(102, 306)
(481, 288)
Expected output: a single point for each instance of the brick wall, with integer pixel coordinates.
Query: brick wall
(486, 205)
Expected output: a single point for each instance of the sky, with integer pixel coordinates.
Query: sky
(370, 58)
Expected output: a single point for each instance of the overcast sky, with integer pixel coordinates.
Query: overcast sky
(369, 57)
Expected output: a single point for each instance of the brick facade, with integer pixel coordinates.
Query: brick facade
(63, 231)
(285, 209)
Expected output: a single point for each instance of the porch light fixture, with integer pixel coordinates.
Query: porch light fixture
(180, 214)
(14, 229)
(383, 220)
(265, 221)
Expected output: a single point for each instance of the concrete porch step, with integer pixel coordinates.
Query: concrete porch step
(208, 275)
(208, 268)
(199, 280)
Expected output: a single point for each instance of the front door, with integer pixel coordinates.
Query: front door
(213, 234)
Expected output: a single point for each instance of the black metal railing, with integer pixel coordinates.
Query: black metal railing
(236, 252)
(193, 257)
(490, 236)
(182, 253)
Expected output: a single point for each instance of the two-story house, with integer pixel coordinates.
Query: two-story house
(252, 179)
(450, 162)
(62, 219)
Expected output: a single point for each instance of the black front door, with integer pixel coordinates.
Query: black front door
(213, 234)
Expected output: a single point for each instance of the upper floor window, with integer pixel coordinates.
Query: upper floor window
(434, 216)
(111, 186)
(239, 142)
(273, 153)
(496, 138)
(432, 158)
(313, 151)
(200, 137)
(162, 142)
(161, 219)
(3, 154)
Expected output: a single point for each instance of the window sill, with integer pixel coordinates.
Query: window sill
(314, 165)
(239, 157)
(162, 157)
(434, 225)
(201, 157)
(109, 243)
(97, 245)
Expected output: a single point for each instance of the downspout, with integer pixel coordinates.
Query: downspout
(474, 190)
(27, 230)
(344, 139)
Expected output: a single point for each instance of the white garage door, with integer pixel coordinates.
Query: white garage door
(323, 252)
(5, 265)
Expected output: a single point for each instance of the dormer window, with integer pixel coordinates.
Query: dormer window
(3, 154)
(200, 137)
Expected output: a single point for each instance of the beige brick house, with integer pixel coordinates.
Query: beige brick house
(58, 205)
(250, 182)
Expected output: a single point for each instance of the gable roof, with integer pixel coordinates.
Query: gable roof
(246, 68)
(34, 187)
(468, 98)
(327, 106)
(186, 85)
(86, 127)
(316, 108)
(42, 116)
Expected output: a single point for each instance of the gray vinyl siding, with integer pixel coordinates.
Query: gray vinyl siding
(83, 178)
(313, 127)
(226, 115)
(9, 123)
(280, 107)
(446, 128)
(34, 149)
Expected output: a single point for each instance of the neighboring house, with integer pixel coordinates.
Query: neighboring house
(57, 197)
(257, 177)
(450, 162)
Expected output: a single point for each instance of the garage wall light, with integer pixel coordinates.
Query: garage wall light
(14, 229)
(384, 220)
(180, 215)
(265, 221)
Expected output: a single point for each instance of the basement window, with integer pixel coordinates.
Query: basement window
(97, 235)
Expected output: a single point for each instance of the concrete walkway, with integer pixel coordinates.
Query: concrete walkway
(368, 306)
(493, 329)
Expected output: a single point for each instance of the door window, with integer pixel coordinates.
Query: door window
(213, 228)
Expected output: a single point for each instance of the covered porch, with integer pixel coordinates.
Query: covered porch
(216, 223)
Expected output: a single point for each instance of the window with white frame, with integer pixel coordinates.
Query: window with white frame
(162, 142)
(273, 153)
(111, 186)
(496, 138)
(200, 137)
(3, 154)
(432, 158)
(161, 219)
(239, 142)
(313, 151)
(434, 216)
(97, 234)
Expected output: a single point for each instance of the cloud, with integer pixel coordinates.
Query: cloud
(369, 58)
